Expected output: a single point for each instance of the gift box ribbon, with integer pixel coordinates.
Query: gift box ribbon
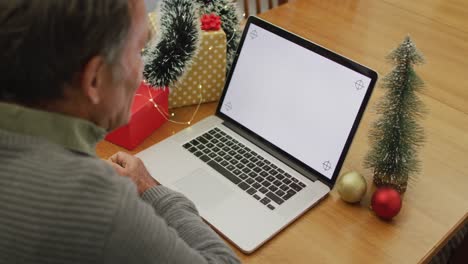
(210, 22)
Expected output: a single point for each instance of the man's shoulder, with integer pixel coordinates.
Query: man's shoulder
(60, 196)
(44, 162)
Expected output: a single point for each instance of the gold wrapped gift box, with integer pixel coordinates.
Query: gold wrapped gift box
(204, 80)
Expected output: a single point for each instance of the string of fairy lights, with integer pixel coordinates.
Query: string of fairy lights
(165, 114)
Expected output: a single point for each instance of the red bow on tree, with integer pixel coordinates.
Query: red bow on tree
(210, 22)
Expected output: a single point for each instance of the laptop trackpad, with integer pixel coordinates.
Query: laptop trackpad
(205, 190)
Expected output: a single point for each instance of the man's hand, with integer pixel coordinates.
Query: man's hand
(130, 166)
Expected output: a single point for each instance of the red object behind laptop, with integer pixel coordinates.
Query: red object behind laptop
(145, 117)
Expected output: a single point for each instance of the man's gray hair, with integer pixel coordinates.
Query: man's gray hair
(44, 44)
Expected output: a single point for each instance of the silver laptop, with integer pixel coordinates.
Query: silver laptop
(275, 146)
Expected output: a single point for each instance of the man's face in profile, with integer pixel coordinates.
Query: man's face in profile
(121, 86)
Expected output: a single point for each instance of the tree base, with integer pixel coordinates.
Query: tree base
(400, 184)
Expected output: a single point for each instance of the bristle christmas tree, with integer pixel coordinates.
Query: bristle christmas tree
(396, 135)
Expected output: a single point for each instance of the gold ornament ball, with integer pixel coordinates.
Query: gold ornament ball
(352, 187)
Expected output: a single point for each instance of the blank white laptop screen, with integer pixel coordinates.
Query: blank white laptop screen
(298, 100)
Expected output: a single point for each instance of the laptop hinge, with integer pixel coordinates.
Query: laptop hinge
(271, 151)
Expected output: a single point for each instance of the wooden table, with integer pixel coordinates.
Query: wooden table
(435, 205)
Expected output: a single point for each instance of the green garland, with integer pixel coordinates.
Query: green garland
(167, 58)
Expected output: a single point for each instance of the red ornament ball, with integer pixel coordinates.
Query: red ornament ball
(386, 202)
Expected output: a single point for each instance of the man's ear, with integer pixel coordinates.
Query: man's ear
(92, 77)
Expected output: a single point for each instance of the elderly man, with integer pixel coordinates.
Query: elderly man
(69, 70)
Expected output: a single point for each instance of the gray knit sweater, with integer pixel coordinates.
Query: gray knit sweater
(60, 204)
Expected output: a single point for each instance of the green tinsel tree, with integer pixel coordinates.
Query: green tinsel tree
(396, 135)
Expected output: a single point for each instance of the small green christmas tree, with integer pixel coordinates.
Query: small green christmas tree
(396, 135)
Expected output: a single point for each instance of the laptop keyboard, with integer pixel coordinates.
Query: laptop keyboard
(257, 176)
